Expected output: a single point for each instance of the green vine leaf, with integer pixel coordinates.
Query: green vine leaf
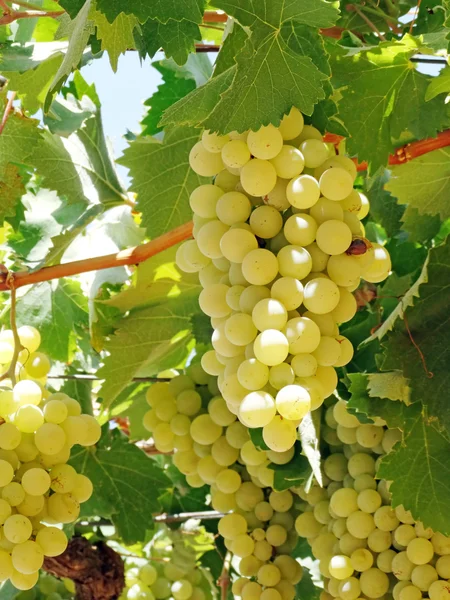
(116, 37)
(127, 485)
(161, 10)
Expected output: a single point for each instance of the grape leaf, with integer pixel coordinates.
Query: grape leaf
(256, 436)
(392, 91)
(294, 473)
(419, 470)
(59, 310)
(78, 31)
(156, 337)
(439, 84)
(176, 38)
(127, 484)
(162, 10)
(80, 167)
(392, 386)
(65, 116)
(424, 183)
(117, 37)
(11, 189)
(172, 89)
(155, 280)
(420, 228)
(19, 139)
(428, 323)
(384, 208)
(162, 178)
(270, 74)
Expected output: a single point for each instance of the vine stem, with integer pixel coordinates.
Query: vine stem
(131, 256)
(163, 518)
(365, 18)
(13, 15)
(90, 377)
(8, 109)
(224, 580)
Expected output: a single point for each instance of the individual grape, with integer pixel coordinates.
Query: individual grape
(30, 338)
(36, 482)
(289, 162)
(346, 307)
(374, 583)
(304, 365)
(293, 402)
(300, 229)
(352, 203)
(63, 478)
(303, 191)
(208, 238)
(27, 557)
(402, 567)
(6, 352)
(235, 154)
(365, 207)
(223, 453)
(204, 163)
(315, 152)
(277, 196)
(203, 200)
(340, 567)
(232, 525)
(318, 257)
(280, 434)
(265, 143)
(269, 314)
(27, 392)
(83, 488)
(10, 436)
(266, 222)
(340, 161)
(6, 473)
(251, 295)
(233, 207)
(182, 590)
(281, 375)
(360, 524)
(294, 261)
(55, 411)
(349, 589)
(188, 402)
(268, 575)
(22, 581)
(260, 267)
(420, 551)
(441, 543)
(336, 183)
(233, 296)
(29, 418)
(253, 374)
(276, 535)
(222, 345)
(237, 243)
(226, 181)
(288, 291)
(302, 334)
(321, 295)
(271, 347)
(243, 545)
(292, 124)
(385, 519)
(380, 267)
(258, 177)
(333, 237)
(214, 142)
(6, 566)
(240, 329)
(326, 210)
(423, 576)
(344, 502)
(204, 430)
(13, 493)
(361, 559)
(343, 269)
(257, 409)
(327, 352)
(346, 351)
(38, 365)
(17, 529)
(369, 436)
(228, 481)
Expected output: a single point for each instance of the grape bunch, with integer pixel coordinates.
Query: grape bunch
(367, 548)
(49, 588)
(39, 491)
(279, 247)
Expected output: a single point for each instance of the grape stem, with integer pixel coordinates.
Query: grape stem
(224, 580)
(8, 109)
(162, 518)
(365, 18)
(9, 15)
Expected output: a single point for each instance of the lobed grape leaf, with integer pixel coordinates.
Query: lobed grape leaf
(384, 208)
(419, 470)
(176, 38)
(156, 338)
(162, 178)
(19, 139)
(392, 91)
(420, 228)
(116, 37)
(161, 10)
(11, 189)
(294, 473)
(127, 484)
(59, 310)
(439, 85)
(424, 183)
(274, 70)
(392, 386)
(428, 324)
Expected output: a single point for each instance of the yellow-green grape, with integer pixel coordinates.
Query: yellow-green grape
(265, 143)
(326, 210)
(340, 567)
(269, 314)
(10, 436)
(210, 363)
(36, 482)
(188, 402)
(182, 590)
(73, 407)
(333, 237)
(293, 402)
(75, 429)
(38, 365)
(277, 196)
(204, 430)
(83, 488)
(232, 525)
(302, 334)
(300, 229)
(294, 261)
(268, 575)
(271, 347)
(291, 125)
(281, 375)
(365, 207)
(266, 222)
(260, 266)
(17, 529)
(315, 152)
(192, 259)
(289, 162)
(208, 238)
(340, 161)
(352, 203)
(226, 181)
(233, 207)
(214, 142)
(289, 291)
(253, 374)
(29, 418)
(321, 295)
(92, 430)
(6, 473)
(50, 439)
(219, 412)
(251, 295)
(213, 302)
(327, 352)
(258, 177)
(318, 257)
(228, 481)
(280, 434)
(204, 163)
(343, 269)
(304, 365)
(5, 511)
(27, 557)
(276, 535)
(236, 243)
(222, 344)
(336, 183)
(6, 352)
(361, 559)
(13, 493)
(63, 508)
(235, 154)
(420, 551)
(251, 455)
(203, 200)
(303, 191)
(346, 307)
(55, 411)
(374, 583)
(257, 409)
(27, 392)
(240, 329)
(30, 338)
(6, 566)
(380, 267)
(63, 478)
(24, 582)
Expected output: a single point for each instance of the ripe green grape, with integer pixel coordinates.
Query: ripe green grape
(265, 143)
(208, 238)
(333, 237)
(204, 430)
(288, 291)
(64, 508)
(233, 207)
(303, 191)
(374, 583)
(83, 488)
(346, 307)
(204, 163)
(27, 557)
(302, 334)
(381, 266)
(300, 229)
(304, 365)
(321, 295)
(258, 177)
(29, 418)
(27, 392)
(257, 409)
(294, 261)
(30, 338)
(343, 269)
(266, 222)
(10, 436)
(260, 267)
(17, 529)
(38, 365)
(232, 525)
(214, 142)
(293, 402)
(226, 181)
(318, 257)
(336, 183)
(364, 208)
(253, 374)
(269, 314)
(315, 152)
(420, 551)
(22, 581)
(281, 375)
(55, 411)
(361, 559)
(327, 352)
(277, 196)
(213, 301)
(271, 347)
(235, 154)
(240, 329)
(289, 162)
(340, 567)
(36, 482)
(292, 124)
(280, 434)
(203, 200)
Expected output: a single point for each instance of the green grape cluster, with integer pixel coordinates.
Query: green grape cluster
(49, 588)
(279, 248)
(39, 491)
(367, 548)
